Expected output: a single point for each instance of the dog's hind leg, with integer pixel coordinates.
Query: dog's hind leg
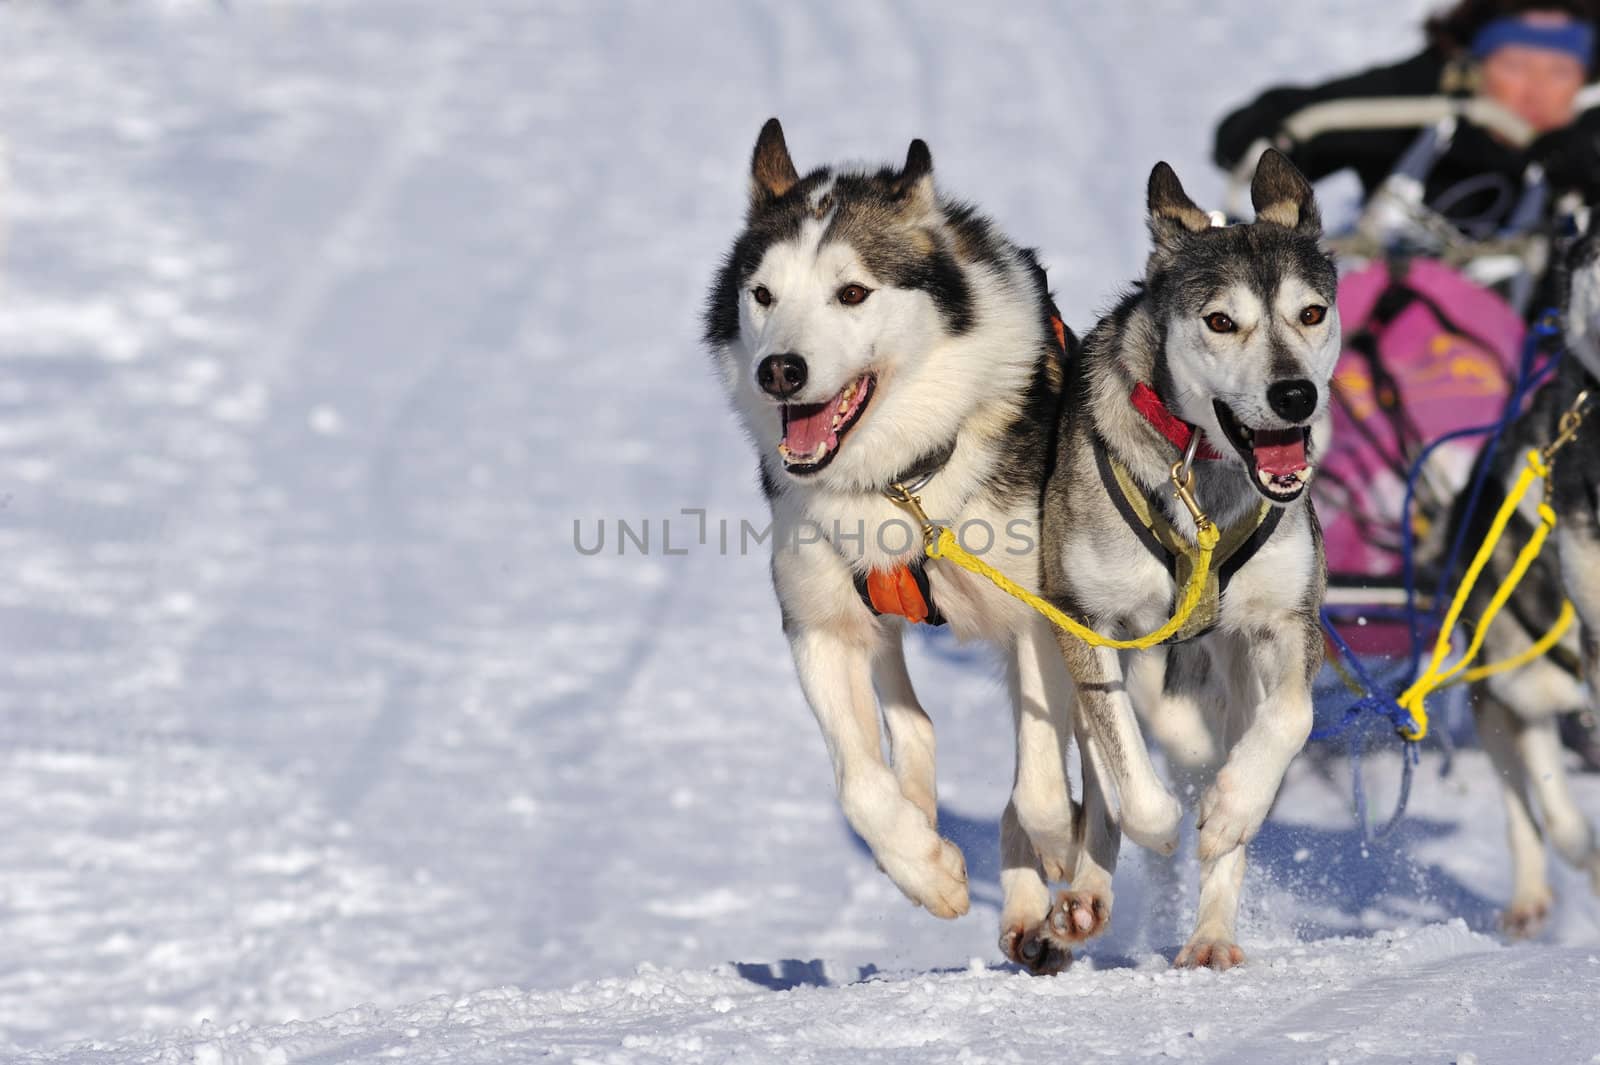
(835, 673)
(1042, 708)
(1084, 911)
(1038, 838)
(1569, 830)
(1498, 730)
(1147, 811)
(1579, 553)
(911, 741)
(1173, 689)
(1531, 698)
(1024, 917)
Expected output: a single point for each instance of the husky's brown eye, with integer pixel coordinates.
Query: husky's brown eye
(1313, 314)
(851, 295)
(1218, 322)
(763, 295)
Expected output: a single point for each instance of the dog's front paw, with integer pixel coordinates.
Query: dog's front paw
(1033, 948)
(935, 878)
(1079, 915)
(1204, 952)
(1526, 915)
(1229, 816)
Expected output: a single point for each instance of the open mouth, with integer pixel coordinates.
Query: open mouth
(1277, 457)
(812, 432)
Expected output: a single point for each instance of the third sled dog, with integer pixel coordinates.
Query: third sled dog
(870, 332)
(1232, 335)
(1517, 711)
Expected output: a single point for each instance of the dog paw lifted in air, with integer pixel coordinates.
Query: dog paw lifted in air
(935, 880)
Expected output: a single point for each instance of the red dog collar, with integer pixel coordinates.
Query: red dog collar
(1168, 424)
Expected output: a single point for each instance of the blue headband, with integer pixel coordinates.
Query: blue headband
(1575, 38)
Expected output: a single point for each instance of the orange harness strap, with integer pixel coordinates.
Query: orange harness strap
(895, 591)
(902, 590)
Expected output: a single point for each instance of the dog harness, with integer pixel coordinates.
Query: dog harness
(904, 589)
(1237, 544)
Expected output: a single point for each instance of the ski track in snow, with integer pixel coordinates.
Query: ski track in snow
(320, 325)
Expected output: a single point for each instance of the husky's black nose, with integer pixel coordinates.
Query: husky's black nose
(781, 375)
(1293, 400)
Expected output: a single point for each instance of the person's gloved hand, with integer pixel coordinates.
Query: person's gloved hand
(1571, 158)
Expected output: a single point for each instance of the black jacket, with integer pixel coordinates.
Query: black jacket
(1571, 156)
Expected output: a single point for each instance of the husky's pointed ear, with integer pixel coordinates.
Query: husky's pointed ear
(914, 183)
(772, 172)
(1281, 194)
(1172, 213)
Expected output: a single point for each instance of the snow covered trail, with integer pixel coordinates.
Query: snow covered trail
(320, 327)
(1394, 997)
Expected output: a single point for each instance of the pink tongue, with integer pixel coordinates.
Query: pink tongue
(1280, 451)
(806, 427)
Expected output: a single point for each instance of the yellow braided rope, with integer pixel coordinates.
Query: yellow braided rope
(1414, 698)
(1538, 650)
(945, 545)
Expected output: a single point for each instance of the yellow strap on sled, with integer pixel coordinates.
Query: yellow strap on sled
(941, 543)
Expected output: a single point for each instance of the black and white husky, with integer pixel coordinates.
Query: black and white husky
(871, 333)
(1517, 711)
(1233, 336)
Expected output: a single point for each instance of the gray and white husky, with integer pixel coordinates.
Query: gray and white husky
(871, 333)
(1517, 711)
(1232, 336)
